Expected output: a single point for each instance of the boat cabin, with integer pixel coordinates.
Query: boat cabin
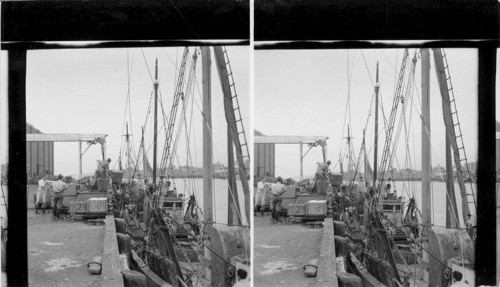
(173, 207)
(392, 208)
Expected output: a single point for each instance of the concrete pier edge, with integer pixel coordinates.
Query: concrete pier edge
(111, 262)
(327, 269)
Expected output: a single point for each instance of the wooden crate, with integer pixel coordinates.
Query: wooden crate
(316, 207)
(296, 209)
(97, 205)
(78, 207)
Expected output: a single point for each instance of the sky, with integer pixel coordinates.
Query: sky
(296, 93)
(305, 92)
(85, 91)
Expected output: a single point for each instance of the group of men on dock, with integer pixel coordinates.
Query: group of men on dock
(58, 187)
(266, 187)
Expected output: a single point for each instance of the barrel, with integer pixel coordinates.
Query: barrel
(102, 185)
(336, 179)
(116, 176)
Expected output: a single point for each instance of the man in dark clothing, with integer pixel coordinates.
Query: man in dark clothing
(59, 187)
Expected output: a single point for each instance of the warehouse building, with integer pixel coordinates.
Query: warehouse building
(39, 155)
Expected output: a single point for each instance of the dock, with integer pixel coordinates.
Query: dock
(281, 250)
(59, 250)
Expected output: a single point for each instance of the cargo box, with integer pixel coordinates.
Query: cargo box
(97, 205)
(78, 207)
(296, 209)
(316, 207)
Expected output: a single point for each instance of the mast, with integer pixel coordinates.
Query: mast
(349, 156)
(349, 167)
(426, 141)
(127, 136)
(377, 88)
(156, 121)
(207, 139)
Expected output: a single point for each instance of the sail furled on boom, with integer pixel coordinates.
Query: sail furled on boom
(368, 168)
(142, 156)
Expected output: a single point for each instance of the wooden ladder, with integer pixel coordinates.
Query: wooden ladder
(458, 130)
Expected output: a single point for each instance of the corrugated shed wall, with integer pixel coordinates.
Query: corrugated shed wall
(264, 159)
(39, 155)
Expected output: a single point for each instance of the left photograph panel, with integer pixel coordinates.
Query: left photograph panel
(4, 162)
(137, 166)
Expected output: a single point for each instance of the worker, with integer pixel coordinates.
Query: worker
(277, 189)
(260, 197)
(470, 226)
(321, 174)
(105, 165)
(41, 194)
(322, 171)
(102, 176)
(457, 280)
(59, 187)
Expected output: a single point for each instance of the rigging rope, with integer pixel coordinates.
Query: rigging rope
(147, 66)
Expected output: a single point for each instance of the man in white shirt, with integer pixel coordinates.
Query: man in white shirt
(260, 197)
(41, 194)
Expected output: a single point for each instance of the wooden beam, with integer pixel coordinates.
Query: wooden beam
(69, 137)
(289, 139)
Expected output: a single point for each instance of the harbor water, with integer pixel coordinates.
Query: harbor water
(438, 200)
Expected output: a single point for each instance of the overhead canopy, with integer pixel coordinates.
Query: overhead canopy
(261, 151)
(90, 138)
(65, 137)
(290, 139)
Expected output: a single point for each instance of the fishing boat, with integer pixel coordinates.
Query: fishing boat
(164, 235)
(383, 238)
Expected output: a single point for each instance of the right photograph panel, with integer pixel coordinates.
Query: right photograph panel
(365, 167)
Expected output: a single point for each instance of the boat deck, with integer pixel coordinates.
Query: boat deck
(59, 250)
(281, 250)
